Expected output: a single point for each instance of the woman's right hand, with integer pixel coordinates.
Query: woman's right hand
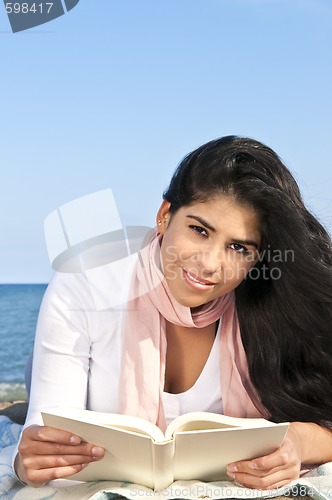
(46, 453)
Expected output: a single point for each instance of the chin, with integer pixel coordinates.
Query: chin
(190, 302)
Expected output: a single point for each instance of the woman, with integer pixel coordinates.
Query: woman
(238, 266)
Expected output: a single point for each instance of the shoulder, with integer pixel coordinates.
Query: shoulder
(99, 288)
(67, 288)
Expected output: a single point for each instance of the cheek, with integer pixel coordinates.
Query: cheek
(252, 262)
(175, 250)
(169, 254)
(237, 271)
(249, 261)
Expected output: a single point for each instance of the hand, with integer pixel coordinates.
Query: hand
(274, 470)
(46, 453)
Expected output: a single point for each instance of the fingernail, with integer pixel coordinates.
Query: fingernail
(97, 452)
(75, 440)
(231, 469)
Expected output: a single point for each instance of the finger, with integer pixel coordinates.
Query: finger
(278, 459)
(55, 461)
(42, 440)
(262, 483)
(50, 434)
(262, 466)
(246, 467)
(40, 477)
(275, 479)
(44, 449)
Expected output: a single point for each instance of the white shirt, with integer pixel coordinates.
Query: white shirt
(78, 348)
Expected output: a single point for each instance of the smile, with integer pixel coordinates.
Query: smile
(197, 283)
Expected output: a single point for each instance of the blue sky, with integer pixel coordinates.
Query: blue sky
(116, 92)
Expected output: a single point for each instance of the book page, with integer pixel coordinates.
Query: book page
(112, 420)
(197, 421)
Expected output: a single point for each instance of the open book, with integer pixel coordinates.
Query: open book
(196, 445)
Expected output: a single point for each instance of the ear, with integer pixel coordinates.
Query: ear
(163, 217)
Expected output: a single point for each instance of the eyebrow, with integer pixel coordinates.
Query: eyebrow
(211, 228)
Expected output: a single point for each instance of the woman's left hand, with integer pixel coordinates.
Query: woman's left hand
(271, 471)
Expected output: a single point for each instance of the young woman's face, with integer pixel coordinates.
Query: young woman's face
(207, 248)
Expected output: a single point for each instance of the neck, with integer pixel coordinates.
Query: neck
(187, 352)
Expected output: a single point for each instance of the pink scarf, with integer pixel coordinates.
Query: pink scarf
(144, 350)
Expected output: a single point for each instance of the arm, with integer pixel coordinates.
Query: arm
(59, 378)
(305, 443)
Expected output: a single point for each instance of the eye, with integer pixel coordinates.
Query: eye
(201, 231)
(238, 248)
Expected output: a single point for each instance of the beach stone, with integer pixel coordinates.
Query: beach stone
(17, 411)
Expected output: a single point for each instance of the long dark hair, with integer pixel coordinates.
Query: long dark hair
(284, 304)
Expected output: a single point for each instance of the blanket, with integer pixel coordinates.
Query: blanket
(316, 484)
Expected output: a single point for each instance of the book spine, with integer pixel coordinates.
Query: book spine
(163, 464)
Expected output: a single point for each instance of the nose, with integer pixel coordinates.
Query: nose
(210, 261)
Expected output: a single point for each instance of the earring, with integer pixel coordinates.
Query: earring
(159, 222)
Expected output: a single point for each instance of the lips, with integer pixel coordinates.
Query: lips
(197, 283)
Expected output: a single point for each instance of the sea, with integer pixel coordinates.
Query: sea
(19, 307)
